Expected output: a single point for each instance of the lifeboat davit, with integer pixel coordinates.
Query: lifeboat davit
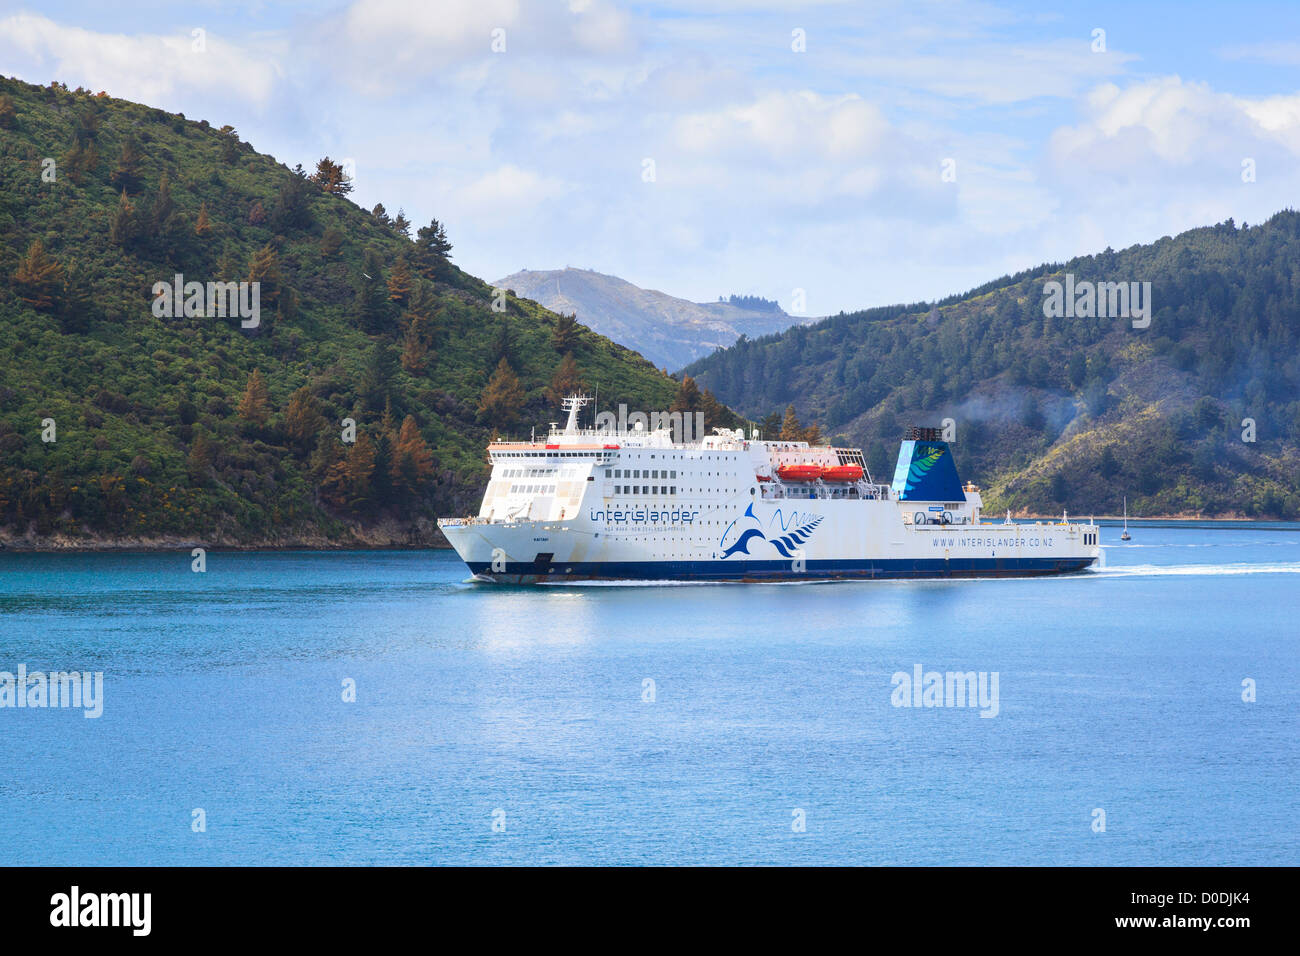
(843, 473)
(799, 472)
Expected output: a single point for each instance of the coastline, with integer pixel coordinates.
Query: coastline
(425, 536)
(386, 536)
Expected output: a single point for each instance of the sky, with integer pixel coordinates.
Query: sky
(828, 155)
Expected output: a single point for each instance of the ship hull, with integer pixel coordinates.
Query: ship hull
(529, 573)
(855, 541)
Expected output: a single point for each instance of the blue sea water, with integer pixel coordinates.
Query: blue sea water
(1119, 690)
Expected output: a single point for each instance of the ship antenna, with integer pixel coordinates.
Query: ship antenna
(571, 404)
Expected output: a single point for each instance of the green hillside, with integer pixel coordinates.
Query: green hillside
(1054, 413)
(198, 428)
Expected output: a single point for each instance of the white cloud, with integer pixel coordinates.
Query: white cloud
(154, 69)
(383, 45)
(787, 128)
(993, 73)
(1152, 127)
(509, 188)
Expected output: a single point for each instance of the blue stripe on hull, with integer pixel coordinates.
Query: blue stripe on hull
(526, 572)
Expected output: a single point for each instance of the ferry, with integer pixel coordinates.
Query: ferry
(632, 502)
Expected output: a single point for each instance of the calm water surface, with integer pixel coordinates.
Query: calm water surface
(1119, 690)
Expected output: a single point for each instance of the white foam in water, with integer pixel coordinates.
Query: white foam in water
(1199, 570)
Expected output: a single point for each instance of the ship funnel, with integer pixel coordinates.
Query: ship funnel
(925, 470)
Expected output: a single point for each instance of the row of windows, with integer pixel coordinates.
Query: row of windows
(645, 489)
(532, 489)
(641, 473)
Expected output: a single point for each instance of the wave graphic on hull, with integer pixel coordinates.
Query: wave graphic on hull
(785, 544)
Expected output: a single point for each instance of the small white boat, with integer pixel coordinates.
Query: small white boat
(1126, 536)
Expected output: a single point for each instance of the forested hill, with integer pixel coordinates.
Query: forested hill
(1068, 412)
(121, 425)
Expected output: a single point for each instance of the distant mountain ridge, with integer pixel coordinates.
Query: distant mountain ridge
(669, 331)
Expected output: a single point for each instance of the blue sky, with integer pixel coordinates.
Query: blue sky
(773, 169)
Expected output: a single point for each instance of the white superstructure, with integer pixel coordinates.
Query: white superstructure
(633, 503)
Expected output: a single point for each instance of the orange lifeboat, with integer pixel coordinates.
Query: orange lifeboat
(843, 473)
(799, 472)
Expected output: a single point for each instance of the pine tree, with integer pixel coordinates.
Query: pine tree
(564, 337)
(126, 174)
(502, 397)
(361, 470)
(503, 344)
(371, 299)
(348, 482)
(264, 268)
(415, 348)
(433, 245)
(566, 381)
(402, 225)
(229, 144)
(715, 415)
(122, 230)
(162, 213)
(399, 283)
(80, 159)
(200, 459)
(203, 225)
(255, 405)
(291, 210)
(687, 398)
(381, 214)
(87, 127)
(377, 377)
(332, 178)
(39, 278)
(303, 421)
(412, 460)
(791, 430)
(75, 301)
